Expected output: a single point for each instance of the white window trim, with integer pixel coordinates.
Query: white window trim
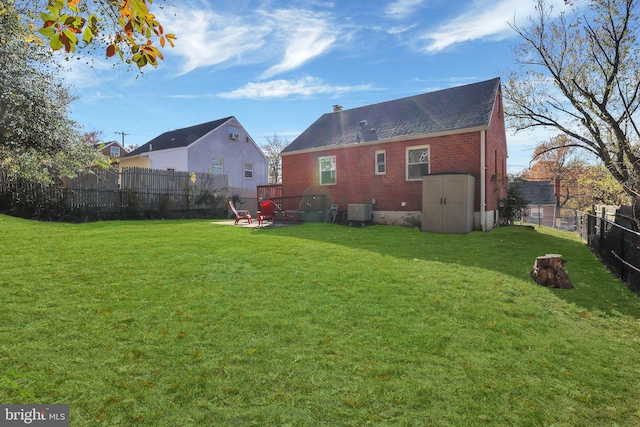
(245, 170)
(416, 147)
(233, 133)
(221, 165)
(384, 152)
(334, 170)
(537, 212)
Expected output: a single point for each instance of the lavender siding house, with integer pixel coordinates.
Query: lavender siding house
(221, 147)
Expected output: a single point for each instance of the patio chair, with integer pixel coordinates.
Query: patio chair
(267, 212)
(332, 214)
(292, 214)
(240, 214)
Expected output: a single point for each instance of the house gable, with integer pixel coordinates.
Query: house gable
(237, 155)
(111, 149)
(221, 146)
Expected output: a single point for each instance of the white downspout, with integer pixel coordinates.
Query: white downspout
(483, 178)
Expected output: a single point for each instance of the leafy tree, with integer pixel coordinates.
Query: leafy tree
(580, 75)
(272, 149)
(597, 186)
(123, 27)
(37, 139)
(554, 158)
(512, 207)
(93, 138)
(581, 184)
(557, 160)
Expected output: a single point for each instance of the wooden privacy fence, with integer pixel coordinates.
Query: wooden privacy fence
(107, 194)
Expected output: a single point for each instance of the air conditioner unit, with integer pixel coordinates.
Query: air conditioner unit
(234, 136)
(359, 212)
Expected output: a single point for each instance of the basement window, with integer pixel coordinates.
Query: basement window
(327, 166)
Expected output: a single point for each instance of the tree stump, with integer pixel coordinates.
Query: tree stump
(548, 271)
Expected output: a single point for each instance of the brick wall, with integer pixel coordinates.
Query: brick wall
(496, 155)
(358, 183)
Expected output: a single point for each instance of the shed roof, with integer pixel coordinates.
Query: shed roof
(458, 108)
(179, 137)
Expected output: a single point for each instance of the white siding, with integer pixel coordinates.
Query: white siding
(175, 158)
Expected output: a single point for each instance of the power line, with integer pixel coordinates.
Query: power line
(123, 134)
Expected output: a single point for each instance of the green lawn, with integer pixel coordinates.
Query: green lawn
(189, 323)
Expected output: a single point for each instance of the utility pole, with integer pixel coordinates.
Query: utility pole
(123, 134)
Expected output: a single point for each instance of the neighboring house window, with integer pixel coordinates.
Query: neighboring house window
(248, 170)
(417, 162)
(327, 166)
(114, 151)
(381, 162)
(537, 212)
(217, 166)
(233, 133)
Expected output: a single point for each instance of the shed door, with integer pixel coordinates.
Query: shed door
(455, 202)
(432, 203)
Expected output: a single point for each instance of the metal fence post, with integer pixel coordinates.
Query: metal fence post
(623, 267)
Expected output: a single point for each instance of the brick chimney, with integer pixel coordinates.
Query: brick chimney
(337, 108)
(557, 184)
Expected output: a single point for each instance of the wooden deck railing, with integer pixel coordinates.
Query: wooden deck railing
(312, 207)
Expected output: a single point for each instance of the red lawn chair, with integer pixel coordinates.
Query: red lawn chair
(267, 212)
(240, 214)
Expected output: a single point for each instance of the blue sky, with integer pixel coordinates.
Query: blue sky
(279, 65)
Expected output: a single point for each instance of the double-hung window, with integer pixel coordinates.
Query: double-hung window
(327, 167)
(381, 162)
(248, 171)
(417, 162)
(217, 166)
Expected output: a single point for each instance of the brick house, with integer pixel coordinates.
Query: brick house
(111, 149)
(542, 200)
(377, 154)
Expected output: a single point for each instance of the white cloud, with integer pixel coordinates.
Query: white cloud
(211, 38)
(485, 19)
(400, 9)
(283, 88)
(398, 31)
(291, 36)
(304, 36)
